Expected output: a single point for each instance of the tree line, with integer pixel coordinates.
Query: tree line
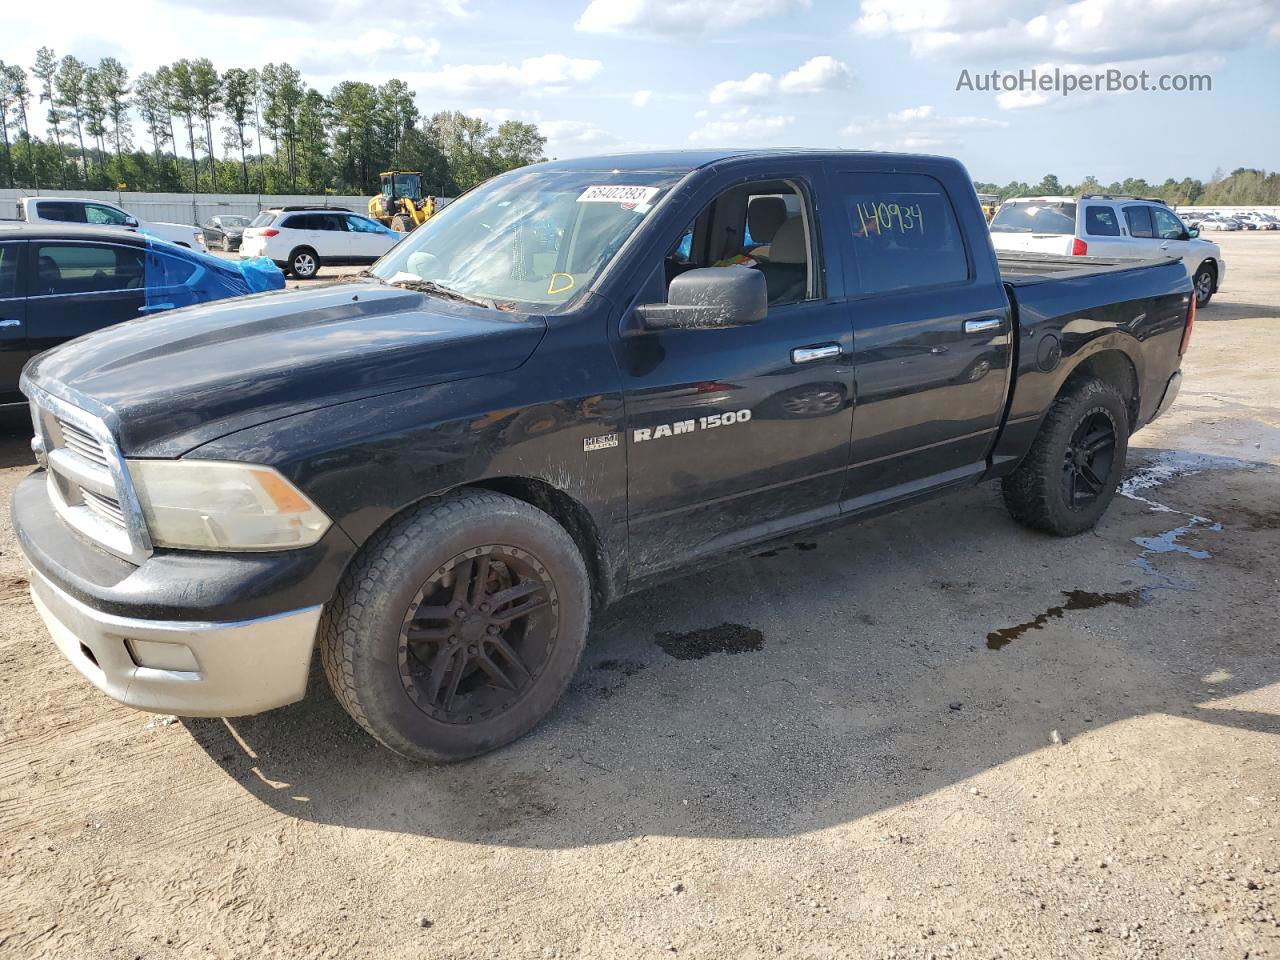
(1242, 187)
(188, 127)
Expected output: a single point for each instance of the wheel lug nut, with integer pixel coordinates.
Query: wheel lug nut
(493, 628)
(484, 606)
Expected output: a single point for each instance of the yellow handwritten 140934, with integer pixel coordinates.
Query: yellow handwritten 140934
(875, 218)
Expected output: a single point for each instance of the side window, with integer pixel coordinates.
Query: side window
(731, 231)
(1139, 220)
(1101, 222)
(904, 232)
(9, 254)
(1168, 227)
(166, 271)
(61, 212)
(301, 221)
(96, 213)
(361, 225)
(69, 268)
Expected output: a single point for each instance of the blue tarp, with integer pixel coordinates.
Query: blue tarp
(176, 276)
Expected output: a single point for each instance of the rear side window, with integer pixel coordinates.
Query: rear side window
(70, 268)
(300, 221)
(9, 254)
(904, 232)
(1139, 220)
(264, 219)
(332, 221)
(61, 212)
(1101, 222)
(1051, 217)
(166, 271)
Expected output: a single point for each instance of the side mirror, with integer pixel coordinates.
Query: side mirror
(1192, 233)
(709, 298)
(131, 221)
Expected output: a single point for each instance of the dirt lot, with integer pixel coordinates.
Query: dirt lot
(934, 734)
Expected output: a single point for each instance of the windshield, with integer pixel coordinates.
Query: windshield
(407, 185)
(533, 237)
(235, 221)
(1055, 217)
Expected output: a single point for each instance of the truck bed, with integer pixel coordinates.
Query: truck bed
(1019, 268)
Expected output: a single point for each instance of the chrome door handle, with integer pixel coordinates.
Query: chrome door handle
(983, 326)
(826, 351)
(10, 322)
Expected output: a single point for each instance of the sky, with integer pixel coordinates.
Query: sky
(602, 76)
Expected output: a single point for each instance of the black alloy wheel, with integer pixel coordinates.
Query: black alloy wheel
(1087, 462)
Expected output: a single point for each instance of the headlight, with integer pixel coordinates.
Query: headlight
(216, 505)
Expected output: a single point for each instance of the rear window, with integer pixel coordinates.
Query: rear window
(264, 219)
(1101, 222)
(1053, 217)
(904, 232)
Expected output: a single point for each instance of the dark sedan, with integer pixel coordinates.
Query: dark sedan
(224, 231)
(58, 282)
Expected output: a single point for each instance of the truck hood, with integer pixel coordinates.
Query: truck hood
(172, 382)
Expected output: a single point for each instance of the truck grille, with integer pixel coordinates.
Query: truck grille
(88, 482)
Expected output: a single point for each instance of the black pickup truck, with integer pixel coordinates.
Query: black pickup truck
(574, 381)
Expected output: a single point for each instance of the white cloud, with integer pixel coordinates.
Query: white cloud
(343, 11)
(916, 129)
(676, 17)
(740, 125)
(551, 73)
(378, 47)
(641, 98)
(755, 87)
(1085, 31)
(574, 133)
(816, 75)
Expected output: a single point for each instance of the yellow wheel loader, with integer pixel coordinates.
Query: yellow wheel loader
(401, 205)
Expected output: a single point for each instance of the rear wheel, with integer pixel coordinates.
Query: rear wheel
(459, 627)
(304, 264)
(1203, 281)
(1067, 480)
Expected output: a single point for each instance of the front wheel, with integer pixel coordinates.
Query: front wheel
(1067, 480)
(401, 224)
(1203, 281)
(458, 627)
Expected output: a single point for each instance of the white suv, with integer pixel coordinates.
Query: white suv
(1108, 226)
(303, 239)
(100, 213)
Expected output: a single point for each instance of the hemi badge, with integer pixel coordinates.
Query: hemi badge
(600, 443)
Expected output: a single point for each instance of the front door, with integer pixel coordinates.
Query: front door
(13, 321)
(932, 330)
(738, 434)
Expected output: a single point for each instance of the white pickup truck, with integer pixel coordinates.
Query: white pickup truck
(101, 213)
(1102, 225)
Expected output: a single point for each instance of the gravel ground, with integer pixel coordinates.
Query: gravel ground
(935, 734)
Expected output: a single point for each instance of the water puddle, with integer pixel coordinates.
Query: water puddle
(1076, 600)
(696, 644)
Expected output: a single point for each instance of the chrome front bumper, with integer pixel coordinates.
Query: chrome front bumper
(187, 668)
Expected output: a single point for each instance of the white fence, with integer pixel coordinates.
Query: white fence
(183, 208)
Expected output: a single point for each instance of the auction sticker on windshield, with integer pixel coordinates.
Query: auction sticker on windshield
(616, 193)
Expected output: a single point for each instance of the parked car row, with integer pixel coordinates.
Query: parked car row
(59, 281)
(1214, 220)
(1105, 225)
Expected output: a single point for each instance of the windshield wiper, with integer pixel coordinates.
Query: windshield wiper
(438, 290)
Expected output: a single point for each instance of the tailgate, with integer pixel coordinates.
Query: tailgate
(1058, 243)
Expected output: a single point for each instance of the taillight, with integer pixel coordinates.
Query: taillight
(268, 233)
(1079, 248)
(1186, 332)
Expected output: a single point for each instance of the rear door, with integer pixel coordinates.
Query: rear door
(13, 320)
(336, 240)
(76, 287)
(1103, 232)
(932, 329)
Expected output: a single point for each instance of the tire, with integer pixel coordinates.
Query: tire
(226, 245)
(401, 224)
(303, 263)
(1204, 282)
(381, 655)
(1039, 494)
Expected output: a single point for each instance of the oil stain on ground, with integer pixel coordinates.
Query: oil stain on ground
(1076, 600)
(696, 644)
